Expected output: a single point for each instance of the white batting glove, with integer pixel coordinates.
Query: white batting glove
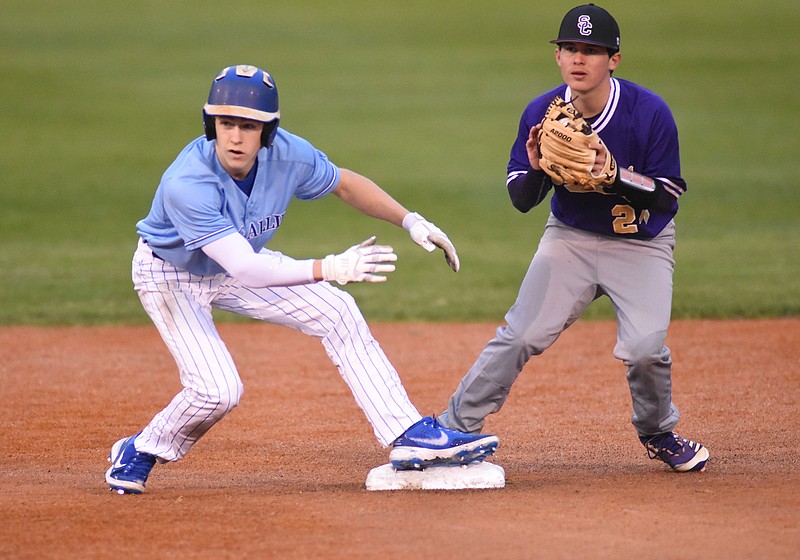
(428, 236)
(359, 263)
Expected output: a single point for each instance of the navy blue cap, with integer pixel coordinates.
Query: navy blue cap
(589, 24)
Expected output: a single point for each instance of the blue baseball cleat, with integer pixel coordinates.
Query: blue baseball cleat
(129, 469)
(428, 443)
(680, 454)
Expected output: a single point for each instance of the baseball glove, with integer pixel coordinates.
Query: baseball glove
(564, 150)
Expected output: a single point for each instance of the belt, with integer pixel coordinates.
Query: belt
(154, 253)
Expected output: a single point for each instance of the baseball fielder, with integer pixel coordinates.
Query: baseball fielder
(610, 233)
(202, 247)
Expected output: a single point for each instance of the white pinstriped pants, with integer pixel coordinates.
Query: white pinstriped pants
(180, 304)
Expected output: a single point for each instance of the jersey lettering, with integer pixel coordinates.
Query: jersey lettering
(254, 229)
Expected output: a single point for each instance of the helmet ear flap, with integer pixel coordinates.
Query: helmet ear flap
(268, 133)
(209, 125)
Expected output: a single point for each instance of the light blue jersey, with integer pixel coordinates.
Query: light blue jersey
(197, 202)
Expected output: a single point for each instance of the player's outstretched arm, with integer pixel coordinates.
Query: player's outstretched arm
(365, 196)
(364, 262)
(368, 198)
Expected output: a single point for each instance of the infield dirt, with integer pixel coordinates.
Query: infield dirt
(283, 475)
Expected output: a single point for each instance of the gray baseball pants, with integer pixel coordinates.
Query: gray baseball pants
(572, 268)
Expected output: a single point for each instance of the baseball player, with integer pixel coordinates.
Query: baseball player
(616, 241)
(202, 246)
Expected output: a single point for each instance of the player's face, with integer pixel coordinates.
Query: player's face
(585, 67)
(238, 142)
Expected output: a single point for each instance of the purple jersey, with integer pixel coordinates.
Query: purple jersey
(638, 129)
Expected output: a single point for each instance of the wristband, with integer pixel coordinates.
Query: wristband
(636, 181)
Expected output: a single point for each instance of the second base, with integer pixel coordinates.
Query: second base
(477, 475)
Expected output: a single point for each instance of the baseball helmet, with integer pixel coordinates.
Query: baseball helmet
(589, 24)
(247, 92)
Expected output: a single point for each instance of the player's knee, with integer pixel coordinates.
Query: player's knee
(221, 407)
(233, 397)
(346, 305)
(645, 351)
(219, 402)
(346, 313)
(525, 343)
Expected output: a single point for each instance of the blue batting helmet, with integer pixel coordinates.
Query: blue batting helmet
(247, 92)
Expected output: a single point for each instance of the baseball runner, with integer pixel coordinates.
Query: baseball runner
(202, 246)
(608, 149)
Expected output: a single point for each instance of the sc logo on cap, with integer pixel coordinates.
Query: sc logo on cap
(584, 25)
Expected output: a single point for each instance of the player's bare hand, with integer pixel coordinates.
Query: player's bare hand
(360, 263)
(429, 237)
(532, 145)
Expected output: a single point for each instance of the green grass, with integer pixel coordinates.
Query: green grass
(424, 97)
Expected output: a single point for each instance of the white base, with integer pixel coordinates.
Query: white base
(476, 475)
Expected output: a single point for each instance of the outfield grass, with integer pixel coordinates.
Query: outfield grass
(424, 97)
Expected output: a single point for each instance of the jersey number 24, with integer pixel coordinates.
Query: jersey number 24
(625, 221)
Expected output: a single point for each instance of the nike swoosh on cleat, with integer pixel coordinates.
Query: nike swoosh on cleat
(441, 440)
(117, 464)
(120, 452)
